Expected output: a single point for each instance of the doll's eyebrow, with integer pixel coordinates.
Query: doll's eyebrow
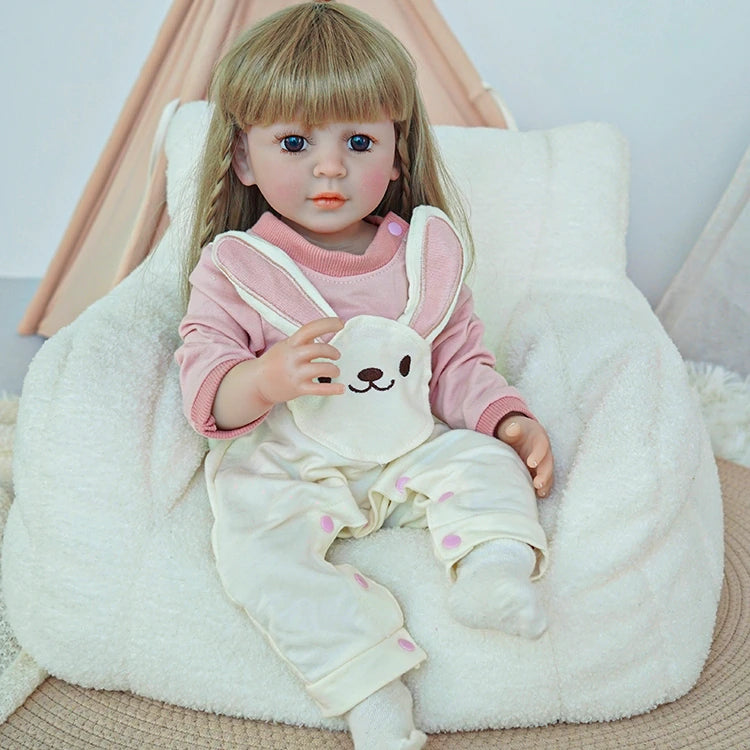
(284, 130)
(290, 134)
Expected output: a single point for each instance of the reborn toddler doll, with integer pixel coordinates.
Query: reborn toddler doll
(331, 356)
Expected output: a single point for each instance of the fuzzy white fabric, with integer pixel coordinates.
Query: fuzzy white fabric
(725, 404)
(108, 575)
(19, 674)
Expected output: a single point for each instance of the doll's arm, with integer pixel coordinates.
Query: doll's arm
(286, 370)
(529, 439)
(466, 391)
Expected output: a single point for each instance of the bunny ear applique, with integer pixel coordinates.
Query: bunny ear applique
(268, 280)
(435, 269)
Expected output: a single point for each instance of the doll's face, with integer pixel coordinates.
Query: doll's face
(323, 181)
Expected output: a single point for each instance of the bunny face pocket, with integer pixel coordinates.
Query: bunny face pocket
(384, 411)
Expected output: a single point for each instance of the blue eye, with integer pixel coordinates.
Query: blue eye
(360, 142)
(293, 143)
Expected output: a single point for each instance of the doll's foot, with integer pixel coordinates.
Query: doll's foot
(384, 721)
(493, 590)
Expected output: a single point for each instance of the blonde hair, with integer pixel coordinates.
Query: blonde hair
(320, 62)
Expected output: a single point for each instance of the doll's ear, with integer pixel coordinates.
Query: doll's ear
(241, 161)
(396, 171)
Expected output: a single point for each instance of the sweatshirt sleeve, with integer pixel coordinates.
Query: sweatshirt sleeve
(466, 391)
(218, 332)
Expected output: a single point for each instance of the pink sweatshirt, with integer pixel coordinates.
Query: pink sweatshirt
(219, 330)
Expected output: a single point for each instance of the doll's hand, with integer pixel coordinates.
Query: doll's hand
(529, 439)
(288, 369)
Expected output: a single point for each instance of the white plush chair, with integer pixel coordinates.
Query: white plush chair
(109, 579)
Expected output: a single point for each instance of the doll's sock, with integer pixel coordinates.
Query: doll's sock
(384, 721)
(493, 590)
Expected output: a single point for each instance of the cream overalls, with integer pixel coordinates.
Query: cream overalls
(321, 467)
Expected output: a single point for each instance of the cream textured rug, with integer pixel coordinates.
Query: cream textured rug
(714, 715)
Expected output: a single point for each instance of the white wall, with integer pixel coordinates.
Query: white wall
(66, 68)
(674, 75)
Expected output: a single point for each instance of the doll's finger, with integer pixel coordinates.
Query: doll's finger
(543, 482)
(310, 331)
(322, 387)
(535, 458)
(323, 372)
(539, 446)
(510, 431)
(541, 488)
(310, 352)
(545, 466)
(538, 450)
(544, 478)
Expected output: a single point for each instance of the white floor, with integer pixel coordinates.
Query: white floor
(15, 351)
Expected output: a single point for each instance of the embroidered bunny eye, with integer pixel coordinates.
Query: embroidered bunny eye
(405, 365)
(324, 379)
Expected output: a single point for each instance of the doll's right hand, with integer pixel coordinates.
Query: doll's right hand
(288, 369)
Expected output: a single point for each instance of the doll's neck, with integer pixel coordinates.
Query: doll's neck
(355, 240)
(388, 236)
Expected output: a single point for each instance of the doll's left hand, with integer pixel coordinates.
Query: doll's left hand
(529, 439)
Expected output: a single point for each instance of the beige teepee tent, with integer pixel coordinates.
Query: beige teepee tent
(121, 213)
(706, 309)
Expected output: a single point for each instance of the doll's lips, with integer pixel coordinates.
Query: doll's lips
(328, 201)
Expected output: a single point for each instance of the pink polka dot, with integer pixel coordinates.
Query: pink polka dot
(451, 540)
(395, 228)
(445, 496)
(406, 645)
(326, 523)
(361, 581)
(401, 483)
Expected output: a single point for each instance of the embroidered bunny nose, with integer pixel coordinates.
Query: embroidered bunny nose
(370, 374)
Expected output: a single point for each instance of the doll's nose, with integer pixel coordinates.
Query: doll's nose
(329, 164)
(370, 374)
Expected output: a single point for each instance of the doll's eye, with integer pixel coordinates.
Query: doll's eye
(404, 367)
(360, 142)
(293, 143)
(324, 379)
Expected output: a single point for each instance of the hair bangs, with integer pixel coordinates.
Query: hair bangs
(316, 68)
(314, 97)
